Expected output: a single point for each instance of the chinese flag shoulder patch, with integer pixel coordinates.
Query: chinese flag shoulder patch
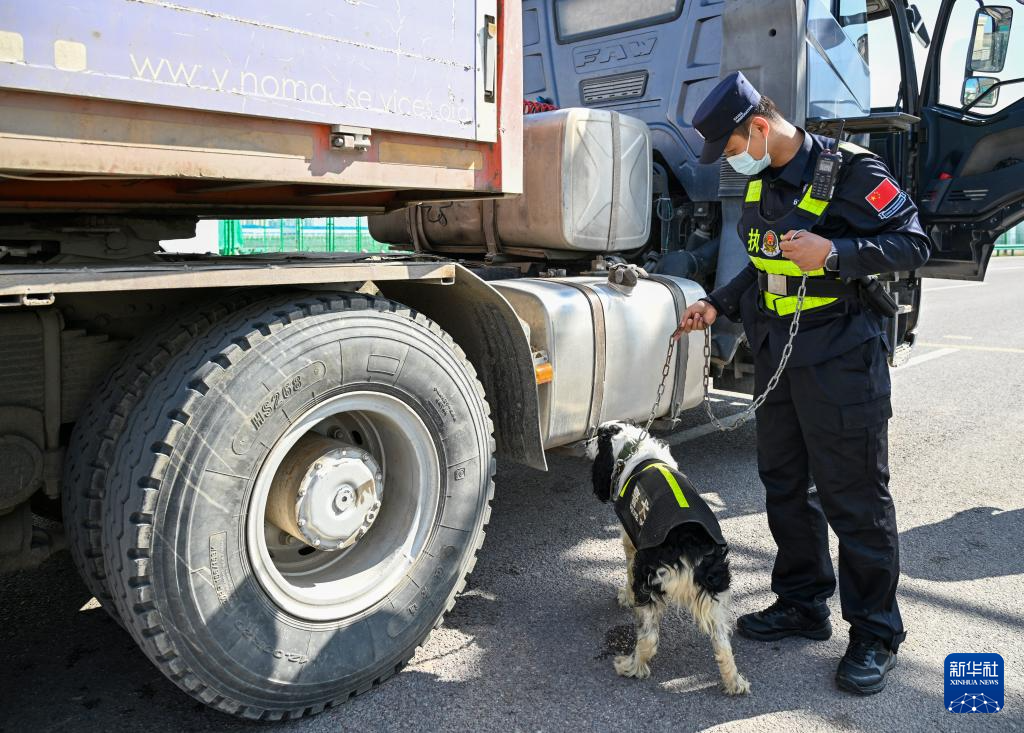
(883, 195)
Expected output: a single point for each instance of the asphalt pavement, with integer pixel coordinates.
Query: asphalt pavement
(529, 645)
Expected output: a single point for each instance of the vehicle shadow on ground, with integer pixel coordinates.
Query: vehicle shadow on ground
(69, 667)
(981, 542)
(530, 643)
(541, 619)
(543, 625)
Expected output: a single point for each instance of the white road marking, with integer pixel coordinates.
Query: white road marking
(731, 403)
(928, 356)
(940, 351)
(727, 393)
(701, 430)
(952, 287)
(972, 347)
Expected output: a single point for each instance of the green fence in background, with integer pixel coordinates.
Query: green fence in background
(258, 236)
(1011, 241)
(350, 234)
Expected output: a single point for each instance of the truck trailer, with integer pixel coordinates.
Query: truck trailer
(275, 471)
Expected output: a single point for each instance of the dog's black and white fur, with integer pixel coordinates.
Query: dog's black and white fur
(688, 570)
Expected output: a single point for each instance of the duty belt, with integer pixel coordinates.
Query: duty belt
(817, 287)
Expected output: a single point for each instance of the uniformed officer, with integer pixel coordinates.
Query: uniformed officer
(828, 416)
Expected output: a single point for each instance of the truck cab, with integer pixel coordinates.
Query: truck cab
(933, 88)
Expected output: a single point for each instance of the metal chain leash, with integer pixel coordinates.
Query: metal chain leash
(631, 448)
(772, 383)
(794, 326)
(661, 389)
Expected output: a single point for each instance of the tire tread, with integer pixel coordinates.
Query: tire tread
(102, 422)
(127, 541)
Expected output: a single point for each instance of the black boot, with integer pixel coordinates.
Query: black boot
(780, 620)
(864, 667)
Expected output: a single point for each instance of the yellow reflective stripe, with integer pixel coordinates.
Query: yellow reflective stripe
(670, 479)
(653, 465)
(782, 267)
(673, 484)
(785, 305)
(811, 204)
(753, 190)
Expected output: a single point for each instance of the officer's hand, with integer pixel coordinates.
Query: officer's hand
(698, 316)
(806, 250)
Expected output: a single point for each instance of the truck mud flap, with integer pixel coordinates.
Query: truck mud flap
(486, 327)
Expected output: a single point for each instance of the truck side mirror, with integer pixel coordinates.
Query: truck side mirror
(991, 39)
(979, 88)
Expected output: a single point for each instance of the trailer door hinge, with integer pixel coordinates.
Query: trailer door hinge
(346, 137)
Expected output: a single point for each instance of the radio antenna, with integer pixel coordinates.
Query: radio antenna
(839, 135)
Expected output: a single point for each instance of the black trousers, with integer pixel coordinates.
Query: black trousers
(830, 421)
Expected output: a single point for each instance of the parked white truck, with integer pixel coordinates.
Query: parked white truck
(274, 472)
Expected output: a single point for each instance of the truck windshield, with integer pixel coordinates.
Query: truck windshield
(578, 19)
(838, 80)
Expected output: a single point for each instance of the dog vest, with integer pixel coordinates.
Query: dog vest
(656, 499)
(764, 242)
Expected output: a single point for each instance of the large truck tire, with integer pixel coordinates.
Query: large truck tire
(294, 427)
(101, 423)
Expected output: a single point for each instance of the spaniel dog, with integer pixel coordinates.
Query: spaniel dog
(675, 553)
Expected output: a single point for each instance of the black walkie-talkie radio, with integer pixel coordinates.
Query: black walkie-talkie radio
(826, 171)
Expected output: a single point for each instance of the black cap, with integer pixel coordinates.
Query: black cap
(731, 102)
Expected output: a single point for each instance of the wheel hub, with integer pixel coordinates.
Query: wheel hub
(327, 493)
(322, 583)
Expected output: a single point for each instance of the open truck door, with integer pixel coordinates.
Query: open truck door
(971, 165)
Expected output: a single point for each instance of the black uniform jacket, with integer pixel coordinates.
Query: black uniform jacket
(869, 242)
(656, 499)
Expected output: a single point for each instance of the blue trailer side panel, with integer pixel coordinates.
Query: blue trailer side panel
(397, 65)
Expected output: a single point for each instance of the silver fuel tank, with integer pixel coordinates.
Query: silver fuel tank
(607, 350)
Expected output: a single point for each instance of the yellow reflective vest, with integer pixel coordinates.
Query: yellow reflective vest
(764, 237)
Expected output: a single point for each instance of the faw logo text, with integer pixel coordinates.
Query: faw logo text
(611, 54)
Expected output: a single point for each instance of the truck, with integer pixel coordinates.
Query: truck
(275, 472)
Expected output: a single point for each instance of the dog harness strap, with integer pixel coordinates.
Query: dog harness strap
(634, 475)
(670, 479)
(656, 499)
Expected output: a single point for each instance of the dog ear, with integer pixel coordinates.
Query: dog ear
(604, 464)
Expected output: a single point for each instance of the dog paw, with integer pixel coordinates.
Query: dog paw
(625, 596)
(737, 686)
(627, 666)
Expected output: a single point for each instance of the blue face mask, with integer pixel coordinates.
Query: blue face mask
(746, 164)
